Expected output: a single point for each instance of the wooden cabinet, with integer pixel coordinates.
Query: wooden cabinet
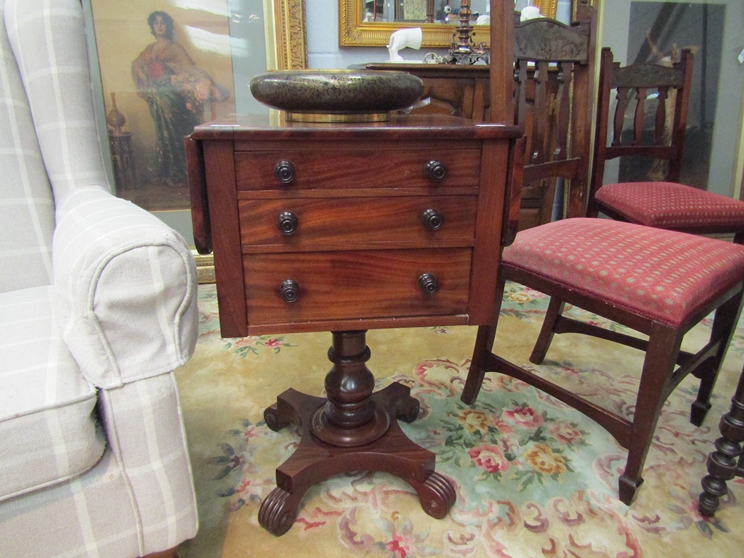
(355, 218)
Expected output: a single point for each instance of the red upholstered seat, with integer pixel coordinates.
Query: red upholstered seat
(669, 205)
(662, 275)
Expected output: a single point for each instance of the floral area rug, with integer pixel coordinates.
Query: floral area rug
(533, 477)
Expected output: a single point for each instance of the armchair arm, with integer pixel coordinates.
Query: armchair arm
(124, 289)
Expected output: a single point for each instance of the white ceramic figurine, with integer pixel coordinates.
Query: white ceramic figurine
(404, 38)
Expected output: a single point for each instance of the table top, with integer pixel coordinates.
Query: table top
(407, 126)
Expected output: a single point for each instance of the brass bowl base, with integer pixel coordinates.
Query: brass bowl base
(347, 117)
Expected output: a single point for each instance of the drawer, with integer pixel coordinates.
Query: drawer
(382, 168)
(355, 285)
(335, 224)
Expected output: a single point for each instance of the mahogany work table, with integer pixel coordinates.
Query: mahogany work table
(343, 228)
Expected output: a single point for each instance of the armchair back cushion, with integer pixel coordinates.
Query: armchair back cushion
(49, 132)
(26, 201)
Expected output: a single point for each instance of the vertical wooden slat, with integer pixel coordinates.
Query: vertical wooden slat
(639, 119)
(679, 128)
(660, 124)
(582, 99)
(539, 141)
(563, 108)
(520, 93)
(600, 138)
(617, 130)
(510, 224)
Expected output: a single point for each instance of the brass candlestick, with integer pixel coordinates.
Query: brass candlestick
(464, 50)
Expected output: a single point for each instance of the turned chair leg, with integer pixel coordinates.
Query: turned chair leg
(727, 461)
(658, 366)
(483, 346)
(724, 325)
(555, 309)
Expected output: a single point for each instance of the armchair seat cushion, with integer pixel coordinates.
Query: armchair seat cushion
(662, 275)
(668, 205)
(48, 425)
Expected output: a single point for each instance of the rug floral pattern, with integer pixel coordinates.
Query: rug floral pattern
(533, 476)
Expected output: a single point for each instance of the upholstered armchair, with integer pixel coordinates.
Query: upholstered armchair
(97, 309)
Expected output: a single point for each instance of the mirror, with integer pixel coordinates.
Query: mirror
(370, 22)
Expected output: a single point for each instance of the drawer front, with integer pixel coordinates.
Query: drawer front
(335, 224)
(314, 169)
(355, 285)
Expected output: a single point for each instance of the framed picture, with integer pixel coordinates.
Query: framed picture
(166, 66)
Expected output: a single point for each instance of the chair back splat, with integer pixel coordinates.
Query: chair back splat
(635, 87)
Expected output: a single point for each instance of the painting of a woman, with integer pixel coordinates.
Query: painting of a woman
(175, 90)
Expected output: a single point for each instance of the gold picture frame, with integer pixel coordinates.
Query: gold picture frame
(354, 32)
(291, 39)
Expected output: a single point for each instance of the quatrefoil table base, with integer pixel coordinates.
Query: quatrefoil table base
(352, 430)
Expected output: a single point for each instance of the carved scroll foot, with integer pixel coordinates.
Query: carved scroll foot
(437, 495)
(278, 512)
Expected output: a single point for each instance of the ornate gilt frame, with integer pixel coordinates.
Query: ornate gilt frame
(291, 42)
(353, 32)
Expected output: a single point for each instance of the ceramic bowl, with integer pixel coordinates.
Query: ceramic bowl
(328, 95)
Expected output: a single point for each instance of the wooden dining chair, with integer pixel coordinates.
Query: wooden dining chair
(657, 282)
(654, 99)
(553, 84)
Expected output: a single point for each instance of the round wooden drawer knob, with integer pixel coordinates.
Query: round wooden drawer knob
(428, 283)
(436, 170)
(432, 219)
(287, 223)
(289, 291)
(284, 172)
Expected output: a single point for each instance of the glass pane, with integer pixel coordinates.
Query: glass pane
(163, 71)
(654, 32)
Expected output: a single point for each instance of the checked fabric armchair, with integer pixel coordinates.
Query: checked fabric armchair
(97, 308)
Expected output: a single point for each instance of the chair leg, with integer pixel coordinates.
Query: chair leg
(727, 461)
(724, 325)
(555, 309)
(661, 356)
(592, 210)
(483, 345)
